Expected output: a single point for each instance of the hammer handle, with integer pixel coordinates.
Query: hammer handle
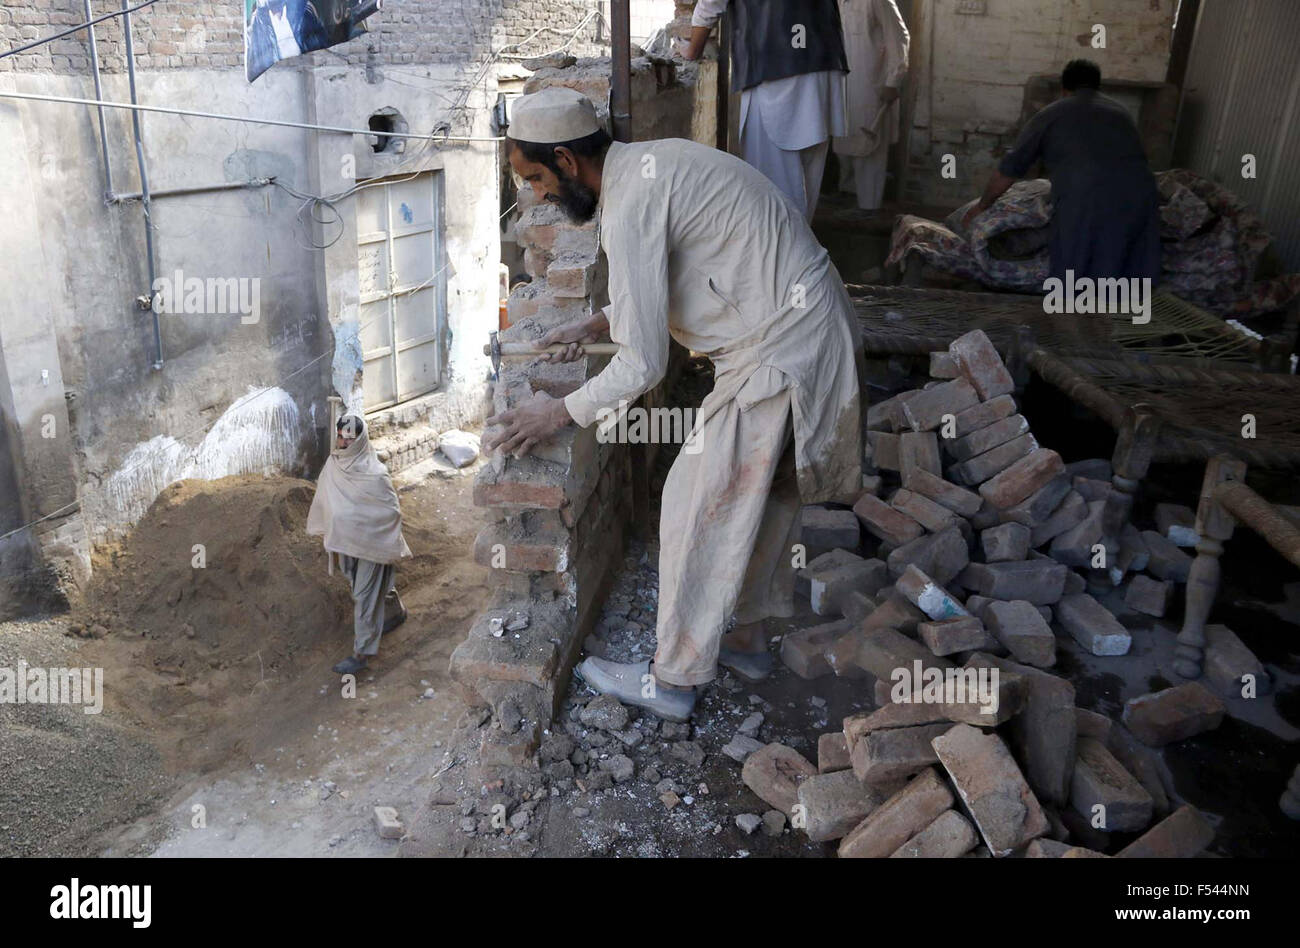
(516, 349)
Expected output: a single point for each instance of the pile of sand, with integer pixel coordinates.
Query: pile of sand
(220, 574)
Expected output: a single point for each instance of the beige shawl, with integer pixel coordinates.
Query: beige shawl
(355, 508)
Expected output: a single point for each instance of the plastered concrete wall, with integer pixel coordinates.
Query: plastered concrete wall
(234, 394)
(970, 70)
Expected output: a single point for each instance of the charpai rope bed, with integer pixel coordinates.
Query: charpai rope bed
(913, 321)
(1200, 410)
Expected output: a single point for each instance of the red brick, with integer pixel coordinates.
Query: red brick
(1181, 835)
(1167, 561)
(804, 651)
(898, 819)
(1006, 541)
(774, 774)
(884, 450)
(824, 529)
(934, 517)
(979, 363)
(948, 836)
(925, 411)
(1100, 780)
(943, 366)
(1022, 478)
(1091, 625)
(1174, 714)
(986, 439)
(992, 787)
(1045, 729)
(1040, 582)
(1039, 505)
(957, 499)
(980, 468)
(940, 555)
(928, 596)
(882, 651)
(1228, 661)
(834, 803)
(1148, 596)
(1020, 627)
(918, 450)
(963, 634)
(828, 589)
(885, 522)
(1071, 512)
(983, 415)
(888, 755)
(527, 659)
(832, 753)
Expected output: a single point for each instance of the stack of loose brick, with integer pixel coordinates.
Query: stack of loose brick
(961, 499)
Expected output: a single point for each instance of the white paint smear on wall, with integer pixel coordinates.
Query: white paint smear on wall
(258, 434)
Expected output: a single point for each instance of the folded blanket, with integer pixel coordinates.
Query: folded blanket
(1212, 245)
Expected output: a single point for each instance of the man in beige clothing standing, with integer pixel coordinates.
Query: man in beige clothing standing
(704, 249)
(876, 41)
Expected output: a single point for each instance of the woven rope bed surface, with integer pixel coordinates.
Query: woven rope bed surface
(914, 321)
(1200, 409)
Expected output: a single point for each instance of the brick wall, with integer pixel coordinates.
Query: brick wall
(208, 34)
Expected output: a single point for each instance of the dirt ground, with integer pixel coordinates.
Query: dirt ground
(224, 731)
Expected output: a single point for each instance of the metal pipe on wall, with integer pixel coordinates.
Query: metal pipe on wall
(99, 94)
(194, 189)
(620, 86)
(144, 186)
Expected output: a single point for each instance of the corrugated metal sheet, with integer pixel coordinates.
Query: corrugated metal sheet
(1242, 97)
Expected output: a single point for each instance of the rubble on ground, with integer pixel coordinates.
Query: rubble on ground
(972, 551)
(988, 548)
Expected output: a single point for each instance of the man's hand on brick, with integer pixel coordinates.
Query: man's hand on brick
(573, 335)
(524, 427)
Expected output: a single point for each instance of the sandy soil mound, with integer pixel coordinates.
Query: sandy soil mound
(218, 573)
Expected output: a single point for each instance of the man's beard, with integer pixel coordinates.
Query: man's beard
(577, 200)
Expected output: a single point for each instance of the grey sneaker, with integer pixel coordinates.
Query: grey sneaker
(624, 683)
(751, 666)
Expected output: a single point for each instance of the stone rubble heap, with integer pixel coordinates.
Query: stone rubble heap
(984, 539)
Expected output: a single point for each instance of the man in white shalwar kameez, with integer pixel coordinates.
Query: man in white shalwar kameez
(791, 104)
(876, 41)
(702, 249)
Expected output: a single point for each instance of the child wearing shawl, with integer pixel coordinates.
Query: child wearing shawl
(355, 510)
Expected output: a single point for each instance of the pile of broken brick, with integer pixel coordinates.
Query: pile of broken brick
(980, 534)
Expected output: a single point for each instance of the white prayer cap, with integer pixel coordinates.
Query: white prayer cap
(550, 115)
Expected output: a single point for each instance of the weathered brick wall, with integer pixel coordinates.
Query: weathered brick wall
(970, 70)
(209, 34)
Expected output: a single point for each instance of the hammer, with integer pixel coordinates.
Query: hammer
(499, 350)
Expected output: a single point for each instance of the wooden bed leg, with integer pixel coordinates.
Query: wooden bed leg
(1134, 449)
(1215, 525)
(1290, 801)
